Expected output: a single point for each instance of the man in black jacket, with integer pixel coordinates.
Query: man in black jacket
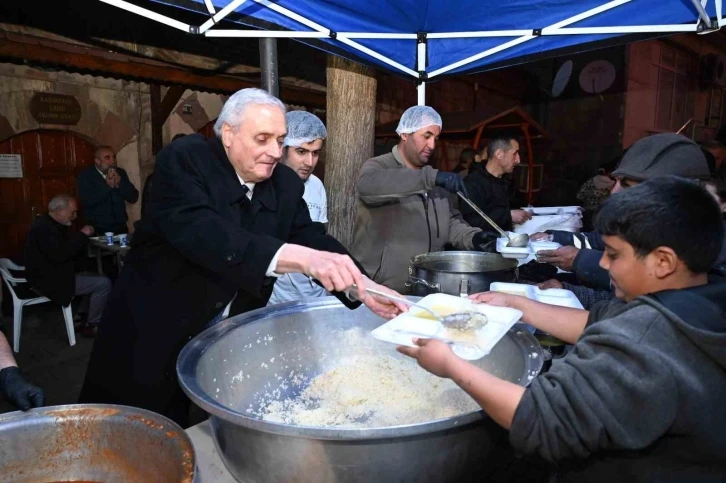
(490, 191)
(50, 253)
(225, 221)
(650, 157)
(104, 189)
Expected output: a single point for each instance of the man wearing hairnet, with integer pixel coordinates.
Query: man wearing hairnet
(403, 204)
(301, 152)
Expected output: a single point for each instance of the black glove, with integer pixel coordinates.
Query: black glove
(451, 182)
(485, 241)
(20, 392)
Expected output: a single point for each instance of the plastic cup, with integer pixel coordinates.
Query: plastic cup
(109, 238)
(123, 240)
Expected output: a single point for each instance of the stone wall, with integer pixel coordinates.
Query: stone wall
(113, 112)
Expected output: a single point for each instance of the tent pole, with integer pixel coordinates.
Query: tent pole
(268, 64)
(702, 13)
(421, 67)
(530, 162)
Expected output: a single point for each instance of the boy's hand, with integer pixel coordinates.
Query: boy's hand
(492, 298)
(433, 355)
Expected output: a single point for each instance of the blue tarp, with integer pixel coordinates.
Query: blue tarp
(442, 16)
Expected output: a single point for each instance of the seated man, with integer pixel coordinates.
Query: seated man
(301, 152)
(640, 397)
(13, 385)
(50, 253)
(104, 189)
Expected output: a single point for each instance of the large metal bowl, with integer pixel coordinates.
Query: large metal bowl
(93, 442)
(263, 342)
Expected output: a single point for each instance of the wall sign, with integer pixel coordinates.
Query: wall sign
(11, 166)
(47, 108)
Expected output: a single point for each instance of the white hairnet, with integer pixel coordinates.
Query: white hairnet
(418, 117)
(303, 127)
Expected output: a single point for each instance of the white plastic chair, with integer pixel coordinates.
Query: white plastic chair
(13, 284)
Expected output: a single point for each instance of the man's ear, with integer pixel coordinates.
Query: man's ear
(666, 262)
(404, 137)
(227, 133)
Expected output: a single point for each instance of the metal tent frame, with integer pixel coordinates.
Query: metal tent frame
(702, 24)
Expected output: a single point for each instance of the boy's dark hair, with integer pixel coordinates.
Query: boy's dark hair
(666, 211)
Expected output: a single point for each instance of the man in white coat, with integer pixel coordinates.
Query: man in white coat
(301, 152)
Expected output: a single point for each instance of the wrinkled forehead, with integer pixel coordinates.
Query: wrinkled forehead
(264, 119)
(105, 153)
(430, 130)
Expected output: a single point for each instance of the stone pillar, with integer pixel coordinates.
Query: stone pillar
(350, 120)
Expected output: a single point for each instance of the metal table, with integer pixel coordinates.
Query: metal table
(99, 246)
(209, 464)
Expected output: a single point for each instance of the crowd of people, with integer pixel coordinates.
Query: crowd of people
(238, 221)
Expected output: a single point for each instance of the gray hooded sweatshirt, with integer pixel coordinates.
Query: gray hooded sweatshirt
(642, 396)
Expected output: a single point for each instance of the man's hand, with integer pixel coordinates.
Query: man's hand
(19, 391)
(451, 182)
(88, 230)
(433, 355)
(520, 216)
(336, 272)
(562, 258)
(380, 306)
(541, 236)
(113, 179)
(552, 283)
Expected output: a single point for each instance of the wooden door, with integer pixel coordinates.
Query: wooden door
(51, 162)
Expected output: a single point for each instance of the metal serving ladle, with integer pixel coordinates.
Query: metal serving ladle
(518, 240)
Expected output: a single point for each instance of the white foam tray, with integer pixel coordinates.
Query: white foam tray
(523, 252)
(552, 210)
(552, 296)
(501, 319)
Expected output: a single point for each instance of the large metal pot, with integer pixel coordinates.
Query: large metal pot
(458, 273)
(93, 442)
(224, 369)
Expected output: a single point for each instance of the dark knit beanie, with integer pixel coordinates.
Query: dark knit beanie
(661, 155)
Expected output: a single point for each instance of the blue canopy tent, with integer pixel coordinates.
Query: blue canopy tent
(427, 39)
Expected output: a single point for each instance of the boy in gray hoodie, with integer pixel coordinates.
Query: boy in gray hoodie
(640, 397)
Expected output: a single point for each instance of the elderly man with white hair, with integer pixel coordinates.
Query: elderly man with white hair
(225, 221)
(404, 204)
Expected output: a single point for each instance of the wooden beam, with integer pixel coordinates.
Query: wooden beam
(93, 61)
(160, 110)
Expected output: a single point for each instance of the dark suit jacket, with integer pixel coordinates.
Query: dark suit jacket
(50, 251)
(105, 207)
(202, 243)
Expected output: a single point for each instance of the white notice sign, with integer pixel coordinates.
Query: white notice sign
(11, 166)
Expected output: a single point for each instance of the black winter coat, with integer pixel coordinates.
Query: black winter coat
(50, 251)
(491, 195)
(203, 242)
